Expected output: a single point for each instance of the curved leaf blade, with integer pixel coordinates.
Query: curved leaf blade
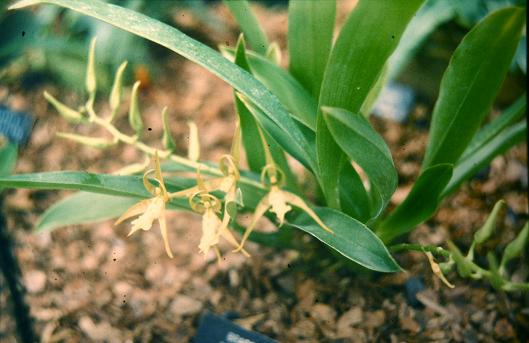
(131, 186)
(483, 155)
(353, 68)
(419, 205)
(290, 92)
(367, 148)
(310, 29)
(249, 25)
(354, 198)
(510, 116)
(83, 208)
(125, 186)
(471, 82)
(351, 238)
(431, 15)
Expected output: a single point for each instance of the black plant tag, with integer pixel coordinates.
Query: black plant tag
(15, 126)
(216, 329)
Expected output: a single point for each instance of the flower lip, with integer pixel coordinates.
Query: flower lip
(272, 176)
(228, 166)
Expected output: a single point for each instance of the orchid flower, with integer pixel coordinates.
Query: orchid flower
(279, 202)
(202, 201)
(151, 209)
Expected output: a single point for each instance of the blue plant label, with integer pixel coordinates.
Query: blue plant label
(15, 126)
(216, 329)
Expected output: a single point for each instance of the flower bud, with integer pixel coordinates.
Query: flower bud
(90, 81)
(65, 111)
(167, 139)
(115, 94)
(134, 111)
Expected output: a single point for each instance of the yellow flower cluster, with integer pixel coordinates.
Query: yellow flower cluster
(201, 200)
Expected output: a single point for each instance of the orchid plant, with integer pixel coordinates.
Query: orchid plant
(316, 112)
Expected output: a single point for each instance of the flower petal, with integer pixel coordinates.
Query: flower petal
(151, 213)
(134, 210)
(298, 202)
(437, 270)
(278, 201)
(260, 210)
(227, 234)
(210, 234)
(163, 229)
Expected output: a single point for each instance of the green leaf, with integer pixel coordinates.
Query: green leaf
(351, 238)
(419, 205)
(8, 158)
(249, 25)
(83, 208)
(165, 35)
(290, 92)
(250, 136)
(280, 136)
(354, 66)
(310, 29)
(510, 116)
(250, 133)
(515, 247)
(131, 186)
(353, 196)
(431, 15)
(483, 155)
(367, 148)
(251, 140)
(373, 94)
(275, 149)
(471, 82)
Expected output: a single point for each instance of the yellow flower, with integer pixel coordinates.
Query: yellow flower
(212, 227)
(278, 201)
(202, 201)
(150, 210)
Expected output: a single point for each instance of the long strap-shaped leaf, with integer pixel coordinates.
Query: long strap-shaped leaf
(468, 88)
(310, 29)
(471, 82)
(511, 115)
(366, 41)
(296, 99)
(249, 25)
(419, 205)
(131, 186)
(83, 208)
(351, 238)
(250, 133)
(201, 54)
(484, 154)
(365, 146)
